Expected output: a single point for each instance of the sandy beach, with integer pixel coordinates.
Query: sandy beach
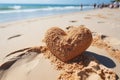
(105, 48)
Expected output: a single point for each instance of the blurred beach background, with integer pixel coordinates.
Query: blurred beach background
(21, 9)
(11, 12)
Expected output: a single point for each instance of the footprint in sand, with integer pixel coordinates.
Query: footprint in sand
(2, 26)
(100, 22)
(69, 27)
(18, 35)
(87, 17)
(73, 21)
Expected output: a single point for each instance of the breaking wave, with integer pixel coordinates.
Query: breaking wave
(18, 9)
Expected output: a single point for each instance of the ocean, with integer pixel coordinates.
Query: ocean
(13, 12)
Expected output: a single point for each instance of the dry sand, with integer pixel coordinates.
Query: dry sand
(31, 64)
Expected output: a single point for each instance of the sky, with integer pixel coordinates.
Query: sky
(56, 1)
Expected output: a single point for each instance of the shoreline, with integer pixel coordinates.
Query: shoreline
(47, 16)
(21, 14)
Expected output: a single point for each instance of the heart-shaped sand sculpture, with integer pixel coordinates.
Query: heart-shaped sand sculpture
(67, 45)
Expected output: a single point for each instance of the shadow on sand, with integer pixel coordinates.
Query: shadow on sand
(102, 59)
(109, 63)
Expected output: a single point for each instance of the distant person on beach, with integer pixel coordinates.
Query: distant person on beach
(95, 5)
(101, 5)
(111, 6)
(116, 4)
(81, 6)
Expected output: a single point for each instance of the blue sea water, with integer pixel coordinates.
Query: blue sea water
(13, 12)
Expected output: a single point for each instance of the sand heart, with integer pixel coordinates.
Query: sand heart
(67, 45)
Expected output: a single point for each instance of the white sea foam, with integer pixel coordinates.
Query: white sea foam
(17, 9)
(10, 13)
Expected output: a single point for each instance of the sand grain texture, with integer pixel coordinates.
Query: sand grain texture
(67, 45)
(83, 67)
